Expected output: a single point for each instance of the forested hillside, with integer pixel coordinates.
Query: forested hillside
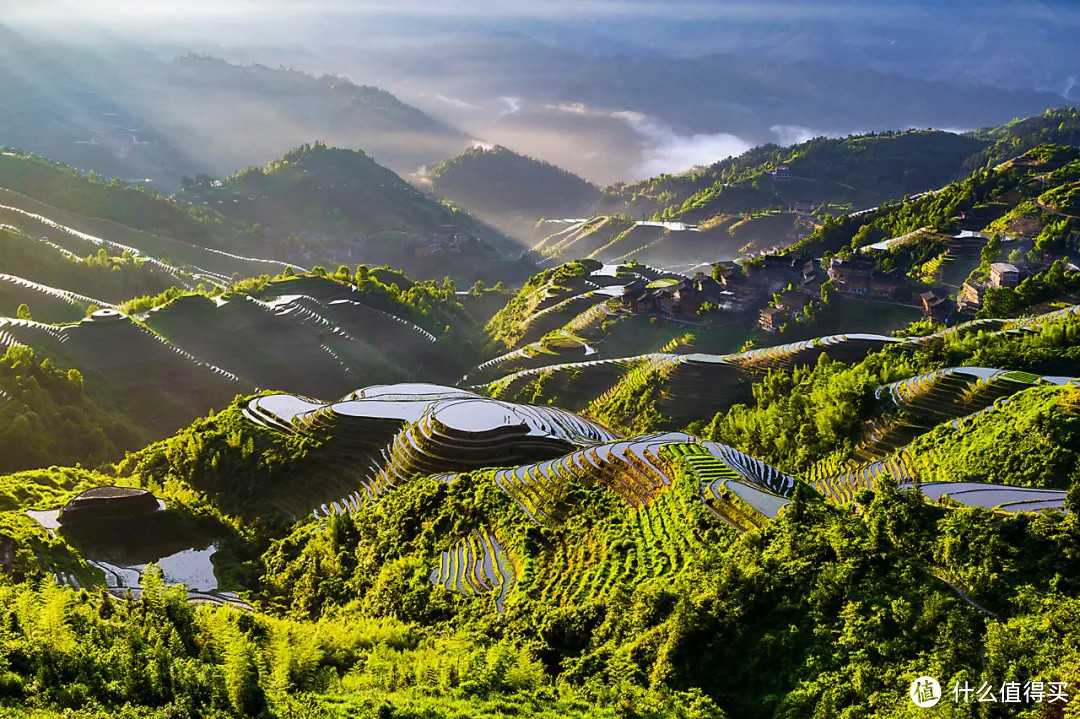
(511, 190)
(743, 198)
(46, 417)
(323, 204)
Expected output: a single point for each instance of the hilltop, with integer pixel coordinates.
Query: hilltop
(331, 205)
(511, 190)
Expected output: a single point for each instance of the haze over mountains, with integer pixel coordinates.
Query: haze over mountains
(610, 91)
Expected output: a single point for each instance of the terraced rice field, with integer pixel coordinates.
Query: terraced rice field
(846, 348)
(577, 381)
(913, 406)
(554, 316)
(842, 487)
(384, 435)
(635, 470)
(735, 487)
(320, 343)
(477, 565)
(954, 395)
(992, 496)
(163, 385)
(629, 242)
(583, 239)
(216, 266)
(705, 381)
(47, 303)
(629, 468)
(656, 543)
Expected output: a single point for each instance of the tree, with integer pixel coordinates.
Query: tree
(990, 250)
(23, 313)
(242, 677)
(828, 291)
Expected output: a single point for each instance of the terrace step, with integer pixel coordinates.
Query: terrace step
(476, 566)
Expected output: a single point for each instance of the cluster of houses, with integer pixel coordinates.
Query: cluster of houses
(732, 291)
(780, 288)
(676, 298)
(1002, 274)
(448, 239)
(856, 276)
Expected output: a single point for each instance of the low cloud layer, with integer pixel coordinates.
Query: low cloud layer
(787, 135)
(668, 151)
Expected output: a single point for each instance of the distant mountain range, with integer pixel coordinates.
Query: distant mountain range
(136, 114)
(739, 195)
(126, 113)
(617, 117)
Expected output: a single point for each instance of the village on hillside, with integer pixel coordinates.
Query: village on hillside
(777, 291)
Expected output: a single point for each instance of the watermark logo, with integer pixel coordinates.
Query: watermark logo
(925, 692)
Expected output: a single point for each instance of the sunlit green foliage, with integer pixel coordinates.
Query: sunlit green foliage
(47, 419)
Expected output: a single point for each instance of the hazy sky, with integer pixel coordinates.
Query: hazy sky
(200, 10)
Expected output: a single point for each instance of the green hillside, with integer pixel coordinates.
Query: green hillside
(583, 558)
(498, 182)
(46, 417)
(135, 207)
(82, 214)
(328, 205)
(1057, 126)
(989, 199)
(861, 171)
(96, 275)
